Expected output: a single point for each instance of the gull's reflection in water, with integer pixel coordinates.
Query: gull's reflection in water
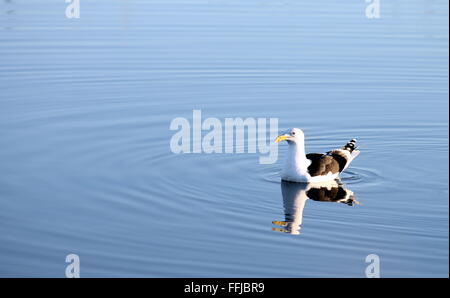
(295, 196)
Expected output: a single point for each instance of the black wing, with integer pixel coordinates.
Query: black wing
(321, 164)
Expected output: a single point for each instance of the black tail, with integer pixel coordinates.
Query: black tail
(350, 146)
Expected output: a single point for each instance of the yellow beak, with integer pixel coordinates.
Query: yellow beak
(280, 138)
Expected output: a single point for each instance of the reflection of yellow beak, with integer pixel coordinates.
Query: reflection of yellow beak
(280, 138)
(279, 223)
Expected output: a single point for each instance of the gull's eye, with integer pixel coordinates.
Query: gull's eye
(293, 133)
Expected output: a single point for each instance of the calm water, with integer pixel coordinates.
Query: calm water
(86, 167)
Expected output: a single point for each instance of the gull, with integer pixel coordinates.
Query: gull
(313, 167)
